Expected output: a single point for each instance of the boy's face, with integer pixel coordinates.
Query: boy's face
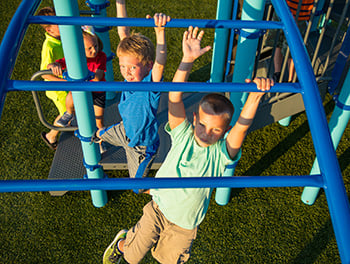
(54, 31)
(91, 46)
(132, 69)
(208, 127)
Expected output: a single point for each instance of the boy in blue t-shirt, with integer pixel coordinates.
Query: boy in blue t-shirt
(169, 222)
(137, 133)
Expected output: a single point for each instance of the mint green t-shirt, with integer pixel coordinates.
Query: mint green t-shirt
(186, 207)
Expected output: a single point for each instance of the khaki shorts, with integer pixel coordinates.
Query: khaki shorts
(170, 243)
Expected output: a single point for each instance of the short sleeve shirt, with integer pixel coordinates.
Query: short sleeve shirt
(186, 207)
(138, 111)
(51, 51)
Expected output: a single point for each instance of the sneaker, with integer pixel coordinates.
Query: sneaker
(65, 119)
(112, 253)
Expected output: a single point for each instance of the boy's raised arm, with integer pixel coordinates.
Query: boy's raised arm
(237, 134)
(121, 13)
(191, 51)
(160, 21)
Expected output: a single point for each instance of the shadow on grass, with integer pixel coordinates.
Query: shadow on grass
(284, 145)
(320, 241)
(318, 244)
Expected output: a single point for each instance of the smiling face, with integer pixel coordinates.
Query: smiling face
(132, 69)
(91, 46)
(209, 127)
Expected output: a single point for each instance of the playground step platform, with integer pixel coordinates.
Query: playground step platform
(68, 159)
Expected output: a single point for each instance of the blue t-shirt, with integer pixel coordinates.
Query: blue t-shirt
(138, 111)
(186, 207)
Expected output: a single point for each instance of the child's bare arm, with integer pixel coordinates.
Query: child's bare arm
(191, 48)
(99, 74)
(237, 134)
(52, 78)
(191, 51)
(56, 69)
(160, 21)
(121, 13)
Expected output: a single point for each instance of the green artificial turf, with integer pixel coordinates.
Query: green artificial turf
(259, 225)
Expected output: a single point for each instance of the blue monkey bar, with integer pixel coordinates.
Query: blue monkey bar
(125, 183)
(330, 178)
(14, 85)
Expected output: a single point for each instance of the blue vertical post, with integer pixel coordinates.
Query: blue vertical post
(223, 12)
(337, 125)
(246, 52)
(100, 6)
(244, 65)
(73, 48)
(222, 195)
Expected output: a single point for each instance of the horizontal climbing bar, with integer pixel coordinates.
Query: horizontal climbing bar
(143, 22)
(14, 85)
(147, 183)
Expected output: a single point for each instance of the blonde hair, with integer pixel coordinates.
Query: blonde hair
(99, 41)
(46, 11)
(139, 46)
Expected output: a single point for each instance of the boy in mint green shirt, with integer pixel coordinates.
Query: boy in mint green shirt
(169, 223)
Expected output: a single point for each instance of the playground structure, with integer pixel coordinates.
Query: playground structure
(334, 188)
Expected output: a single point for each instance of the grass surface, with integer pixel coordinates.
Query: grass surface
(259, 225)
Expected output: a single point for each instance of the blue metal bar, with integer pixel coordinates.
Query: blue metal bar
(224, 11)
(133, 183)
(74, 52)
(338, 202)
(14, 85)
(11, 43)
(143, 22)
(337, 124)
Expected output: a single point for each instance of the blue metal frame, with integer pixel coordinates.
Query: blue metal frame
(330, 178)
(337, 198)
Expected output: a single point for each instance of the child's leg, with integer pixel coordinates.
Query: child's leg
(99, 100)
(69, 103)
(174, 244)
(99, 111)
(141, 238)
(67, 117)
(59, 99)
(140, 159)
(52, 135)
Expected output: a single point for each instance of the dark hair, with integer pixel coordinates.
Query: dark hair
(46, 11)
(219, 104)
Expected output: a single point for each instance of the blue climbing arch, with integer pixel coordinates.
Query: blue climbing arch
(329, 177)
